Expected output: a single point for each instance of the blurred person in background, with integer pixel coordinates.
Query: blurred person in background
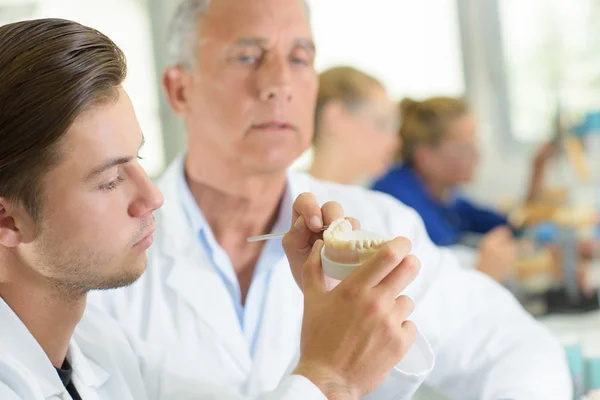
(439, 153)
(356, 126)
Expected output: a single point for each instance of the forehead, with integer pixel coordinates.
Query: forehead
(230, 20)
(379, 95)
(101, 131)
(463, 127)
(378, 98)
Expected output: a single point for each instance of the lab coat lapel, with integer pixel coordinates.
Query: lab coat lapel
(88, 376)
(279, 337)
(192, 275)
(192, 278)
(21, 345)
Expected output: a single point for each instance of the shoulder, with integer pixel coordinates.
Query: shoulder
(394, 174)
(461, 200)
(402, 183)
(375, 210)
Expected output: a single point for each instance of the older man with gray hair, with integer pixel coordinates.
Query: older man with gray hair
(241, 75)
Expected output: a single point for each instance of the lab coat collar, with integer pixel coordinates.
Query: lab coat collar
(195, 215)
(85, 369)
(180, 242)
(204, 233)
(179, 236)
(23, 347)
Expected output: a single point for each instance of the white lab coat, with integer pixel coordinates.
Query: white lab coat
(104, 366)
(107, 366)
(486, 346)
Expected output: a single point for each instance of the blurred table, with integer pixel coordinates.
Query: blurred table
(583, 324)
(580, 336)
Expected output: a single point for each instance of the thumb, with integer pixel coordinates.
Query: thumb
(313, 278)
(297, 240)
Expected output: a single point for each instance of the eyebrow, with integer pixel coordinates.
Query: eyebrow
(111, 164)
(305, 43)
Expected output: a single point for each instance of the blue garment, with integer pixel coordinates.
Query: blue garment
(250, 315)
(446, 223)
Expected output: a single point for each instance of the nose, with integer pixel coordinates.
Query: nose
(149, 198)
(274, 80)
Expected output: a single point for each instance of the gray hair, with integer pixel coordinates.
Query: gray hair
(181, 37)
(182, 34)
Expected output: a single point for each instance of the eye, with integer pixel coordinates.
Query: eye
(112, 185)
(247, 59)
(301, 57)
(299, 61)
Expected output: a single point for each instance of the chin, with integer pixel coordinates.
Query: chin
(272, 156)
(137, 268)
(271, 163)
(126, 274)
(380, 170)
(468, 179)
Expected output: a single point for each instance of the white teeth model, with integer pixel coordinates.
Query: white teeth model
(346, 249)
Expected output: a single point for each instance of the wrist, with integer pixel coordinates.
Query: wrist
(332, 385)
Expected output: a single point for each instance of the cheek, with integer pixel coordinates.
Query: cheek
(442, 165)
(460, 170)
(96, 218)
(220, 102)
(470, 169)
(389, 143)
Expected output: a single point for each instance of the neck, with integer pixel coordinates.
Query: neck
(49, 313)
(237, 205)
(437, 189)
(331, 164)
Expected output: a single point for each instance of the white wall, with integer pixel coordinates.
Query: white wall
(126, 22)
(412, 46)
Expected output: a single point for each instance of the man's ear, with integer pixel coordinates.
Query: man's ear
(176, 81)
(11, 234)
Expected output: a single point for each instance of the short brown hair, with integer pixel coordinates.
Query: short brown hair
(425, 122)
(50, 71)
(346, 84)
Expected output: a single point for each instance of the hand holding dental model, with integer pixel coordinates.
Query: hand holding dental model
(355, 333)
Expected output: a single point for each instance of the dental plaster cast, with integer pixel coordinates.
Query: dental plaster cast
(346, 249)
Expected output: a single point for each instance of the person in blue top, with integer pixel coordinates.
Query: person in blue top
(438, 153)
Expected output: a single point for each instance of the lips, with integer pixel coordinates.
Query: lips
(273, 125)
(147, 235)
(146, 242)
